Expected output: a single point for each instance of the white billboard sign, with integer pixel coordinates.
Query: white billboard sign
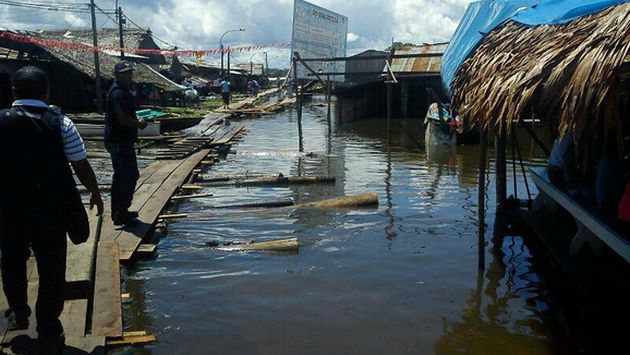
(319, 33)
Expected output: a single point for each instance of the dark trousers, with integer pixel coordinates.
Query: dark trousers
(125, 175)
(226, 98)
(47, 238)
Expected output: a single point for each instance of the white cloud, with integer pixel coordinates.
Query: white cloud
(74, 20)
(198, 24)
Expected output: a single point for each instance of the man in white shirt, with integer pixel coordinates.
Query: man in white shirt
(37, 147)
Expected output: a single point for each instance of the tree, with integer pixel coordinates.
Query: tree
(398, 45)
(277, 73)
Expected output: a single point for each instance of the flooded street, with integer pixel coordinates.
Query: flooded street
(401, 278)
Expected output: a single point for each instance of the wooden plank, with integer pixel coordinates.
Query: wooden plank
(192, 187)
(142, 195)
(132, 340)
(229, 136)
(602, 231)
(151, 173)
(107, 309)
(94, 345)
(74, 317)
(131, 238)
(80, 260)
(188, 197)
(147, 248)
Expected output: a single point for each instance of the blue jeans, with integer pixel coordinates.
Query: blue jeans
(125, 175)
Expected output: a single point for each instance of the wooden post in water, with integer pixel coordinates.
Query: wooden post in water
(481, 202)
(328, 98)
(500, 168)
(298, 99)
(389, 94)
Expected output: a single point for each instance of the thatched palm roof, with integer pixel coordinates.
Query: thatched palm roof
(109, 37)
(562, 74)
(84, 61)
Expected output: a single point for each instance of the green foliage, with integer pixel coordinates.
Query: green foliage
(277, 73)
(397, 45)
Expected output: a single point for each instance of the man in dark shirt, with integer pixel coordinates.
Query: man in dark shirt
(121, 132)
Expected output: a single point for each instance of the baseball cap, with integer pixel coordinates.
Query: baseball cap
(123, 67)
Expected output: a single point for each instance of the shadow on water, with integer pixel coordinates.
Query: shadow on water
(398, 279)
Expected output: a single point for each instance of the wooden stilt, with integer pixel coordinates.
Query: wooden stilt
(298, 96)
(389, 97)
(328, 99)
(481, 202)
(500, 168)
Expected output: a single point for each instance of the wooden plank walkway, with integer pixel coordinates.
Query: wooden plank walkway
(80, 259)
(92, 315)
(149, 201)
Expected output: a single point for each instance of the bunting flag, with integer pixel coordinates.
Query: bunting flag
(80, 47)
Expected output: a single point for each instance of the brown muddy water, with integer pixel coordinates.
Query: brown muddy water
(398, 279)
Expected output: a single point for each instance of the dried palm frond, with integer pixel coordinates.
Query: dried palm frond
(562, 74)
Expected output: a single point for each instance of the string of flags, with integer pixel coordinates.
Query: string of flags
(81, 47)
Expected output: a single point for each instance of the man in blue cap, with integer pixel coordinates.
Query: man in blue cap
(121, 133)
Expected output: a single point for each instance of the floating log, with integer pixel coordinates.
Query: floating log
(188, 197)
(271, 204)
(290, 244)
(363, 200)
(173, 216)
(132, 338)
(288, 180)
(192, 187)
(271, 181)
(236, 177)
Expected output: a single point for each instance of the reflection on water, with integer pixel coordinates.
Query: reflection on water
(398, 279)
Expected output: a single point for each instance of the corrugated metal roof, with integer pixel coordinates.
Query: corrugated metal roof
(419, 65)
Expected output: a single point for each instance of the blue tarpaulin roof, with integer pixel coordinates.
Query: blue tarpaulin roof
(485, 15)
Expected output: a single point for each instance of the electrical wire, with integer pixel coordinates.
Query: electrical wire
(152, 35)
(115, 21)
(37, 13)
(60, 7)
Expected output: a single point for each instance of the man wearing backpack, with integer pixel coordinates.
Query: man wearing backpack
(36, 187)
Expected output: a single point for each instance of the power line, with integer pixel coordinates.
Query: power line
(152, 35)
(107, 14)
(74, 7)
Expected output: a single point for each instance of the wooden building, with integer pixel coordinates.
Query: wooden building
(72, 73)
(364, 93)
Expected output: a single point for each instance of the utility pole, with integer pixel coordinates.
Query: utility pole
(222, 73)
(121, 22)
(228, 63)
(266, 65)
(97, 66)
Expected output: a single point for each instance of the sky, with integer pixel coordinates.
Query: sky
(198, 24)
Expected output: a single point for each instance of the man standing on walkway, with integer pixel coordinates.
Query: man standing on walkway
(121, 133)
(226, 92)
(36, 144)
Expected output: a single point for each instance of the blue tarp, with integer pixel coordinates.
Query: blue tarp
(485, 15)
